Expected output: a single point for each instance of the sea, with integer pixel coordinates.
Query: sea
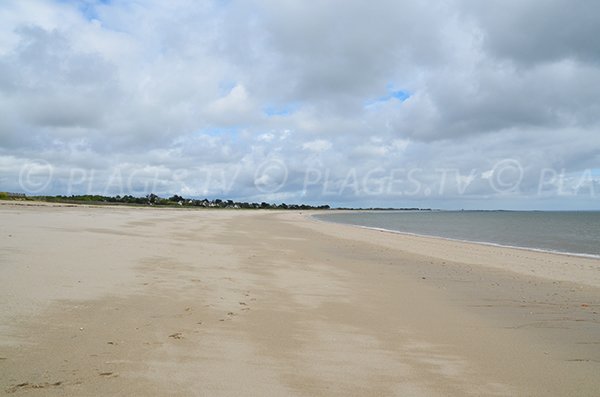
(572, 232)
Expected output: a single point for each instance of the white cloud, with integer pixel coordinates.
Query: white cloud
(268, 137)
(400, 144)
(318, 145)
(234, 108)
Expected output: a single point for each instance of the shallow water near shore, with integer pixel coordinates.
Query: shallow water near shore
(576, 233)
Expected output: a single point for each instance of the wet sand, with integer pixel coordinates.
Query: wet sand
(153, 302)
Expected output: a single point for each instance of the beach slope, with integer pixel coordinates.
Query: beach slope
(153, 302)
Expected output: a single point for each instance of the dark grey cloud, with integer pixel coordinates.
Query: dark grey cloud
(337, 54)
(495, 97)
(537, 31)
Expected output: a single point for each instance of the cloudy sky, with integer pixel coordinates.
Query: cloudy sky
(446, 104)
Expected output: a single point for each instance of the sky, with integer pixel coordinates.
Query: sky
(444, 104)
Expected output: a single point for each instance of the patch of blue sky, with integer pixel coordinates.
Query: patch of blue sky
(222, 3)
(392, 93)
(401, 95)
(280, 110)
(87, 8)
(225, 86)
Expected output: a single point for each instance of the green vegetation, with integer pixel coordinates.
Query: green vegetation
(12, 196)
(154, 200)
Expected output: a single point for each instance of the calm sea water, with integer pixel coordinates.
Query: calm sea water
(567, 232)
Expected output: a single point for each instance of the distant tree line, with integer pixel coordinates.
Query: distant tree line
(11, 196)
(174, 201)
(179, 201)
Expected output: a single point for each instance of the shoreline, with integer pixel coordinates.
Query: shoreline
(540, 250)
(529, 262)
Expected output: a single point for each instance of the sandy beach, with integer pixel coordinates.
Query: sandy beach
(139, 301)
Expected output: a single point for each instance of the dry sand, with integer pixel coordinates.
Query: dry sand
(155, 302)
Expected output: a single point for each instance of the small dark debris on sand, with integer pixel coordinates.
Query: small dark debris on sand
(27, 385)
